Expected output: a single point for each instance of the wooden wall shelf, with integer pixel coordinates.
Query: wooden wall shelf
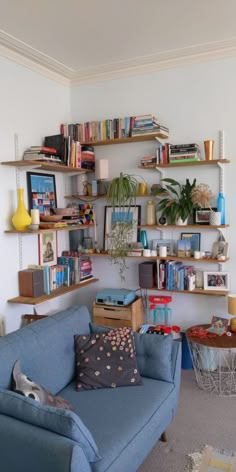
(131, 139)
(196, 291)
(186, 164)
(38, 231)
(56, 293)
(183, 227)
(45, 166)
(168, 258)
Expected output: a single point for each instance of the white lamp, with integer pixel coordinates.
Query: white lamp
(232, 310)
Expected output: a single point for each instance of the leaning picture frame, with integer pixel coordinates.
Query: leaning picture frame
(169, 243)
(130, 214)
(220, 250)
(216, 281)
(47, 244)
(201, 216)
(195, 241)
(41, 192)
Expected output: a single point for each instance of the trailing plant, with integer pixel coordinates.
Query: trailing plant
(176, 202)
(119, 241)
(122, 191)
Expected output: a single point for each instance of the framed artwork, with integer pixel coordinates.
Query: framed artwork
(47, 243)
(220, 248)
(41, 192)
(216, 281)
(130, 214)
(201, 216)
(156, 243)
(219, 325)
(195, 240)
(86, 214)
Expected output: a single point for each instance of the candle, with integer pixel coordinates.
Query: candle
(35, 217)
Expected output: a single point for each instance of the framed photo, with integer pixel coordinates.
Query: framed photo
(218, 325)
(47, 243)
(216, 281)
(156, 243)
(195, 240)
(201, 216)
(113, 217)
(220, 250)
(41, 192)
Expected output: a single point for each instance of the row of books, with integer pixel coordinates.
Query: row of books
(174, 275)
(68, 271)
(116, 128)
(41, 153)
(172, 153)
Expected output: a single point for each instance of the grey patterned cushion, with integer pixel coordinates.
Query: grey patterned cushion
(106, 360)
(26, 387)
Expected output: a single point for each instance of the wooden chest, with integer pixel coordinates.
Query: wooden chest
(117, 317)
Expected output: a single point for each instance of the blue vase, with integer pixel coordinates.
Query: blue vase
(144, 239)
(221, 206)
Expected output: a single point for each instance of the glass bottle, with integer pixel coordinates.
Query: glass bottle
(150, 213)
(221, 206)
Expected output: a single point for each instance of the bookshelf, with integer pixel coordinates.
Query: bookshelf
(46, 230)
(45, 166)
(130, 139)
(185, 164)
(55, 293)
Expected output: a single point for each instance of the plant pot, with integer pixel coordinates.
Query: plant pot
(215, 218)
(180, 222)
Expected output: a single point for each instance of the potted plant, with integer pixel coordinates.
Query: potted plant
(176, 203)
(121, 194)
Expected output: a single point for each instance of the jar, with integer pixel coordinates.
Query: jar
(151, 213)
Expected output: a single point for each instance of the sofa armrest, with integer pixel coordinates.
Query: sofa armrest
(62, 422)
(24, 446)
(176, 361)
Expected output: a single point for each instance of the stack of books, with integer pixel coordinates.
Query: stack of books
(184, 153)
(42, 153)
(148, 161)
(147, 124)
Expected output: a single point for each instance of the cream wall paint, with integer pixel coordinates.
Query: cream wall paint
(195, 102)
(32, 106)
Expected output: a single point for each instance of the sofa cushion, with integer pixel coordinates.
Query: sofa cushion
(26, 387)
(153, 354)
(106, 360)
(60, 421)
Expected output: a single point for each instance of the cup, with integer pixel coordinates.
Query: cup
(162, 251)
(215, 218)
(209, 149)
(154, 252)
(146, 252)
(197, 254)
(142, 188)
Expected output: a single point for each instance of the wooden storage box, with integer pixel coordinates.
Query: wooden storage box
(119, 316)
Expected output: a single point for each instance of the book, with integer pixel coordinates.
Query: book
(43, 149)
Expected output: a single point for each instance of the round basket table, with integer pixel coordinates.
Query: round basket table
(214, 362)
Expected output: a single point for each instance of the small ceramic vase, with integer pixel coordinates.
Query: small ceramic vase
(21, 219)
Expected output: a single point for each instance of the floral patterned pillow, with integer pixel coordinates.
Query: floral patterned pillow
(106, 360)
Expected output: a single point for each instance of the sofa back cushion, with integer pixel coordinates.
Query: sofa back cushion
(45, 349)
(153, 353)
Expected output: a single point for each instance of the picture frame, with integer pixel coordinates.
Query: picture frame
(47, 245)
(216, 281)
(220, 250)
(41, 192)
(219, 325)
(195, 241)
(201, 216)
(130, 213)
(169, 243)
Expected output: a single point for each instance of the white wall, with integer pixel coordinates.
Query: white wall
(195, 102)
(32, 106)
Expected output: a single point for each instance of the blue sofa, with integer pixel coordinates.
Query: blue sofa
(109, 430)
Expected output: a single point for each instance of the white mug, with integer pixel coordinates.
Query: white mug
(162, 251)
(146, 252)
(197, 254)
(154, 252)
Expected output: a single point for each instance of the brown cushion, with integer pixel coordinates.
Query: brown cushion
(106, 360)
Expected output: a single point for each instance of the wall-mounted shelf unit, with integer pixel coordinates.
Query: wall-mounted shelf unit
(185, 164)
(207, 260)
(131, 139)
(45, 166)
(55, 293)
(38, 231)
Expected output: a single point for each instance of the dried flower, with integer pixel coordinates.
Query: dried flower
(201, 196)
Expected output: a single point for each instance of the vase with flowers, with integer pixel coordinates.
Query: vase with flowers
(201, 197)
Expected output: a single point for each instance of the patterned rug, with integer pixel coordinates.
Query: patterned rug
(210, 459)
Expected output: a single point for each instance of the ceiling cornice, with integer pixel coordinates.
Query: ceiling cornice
(21, 53)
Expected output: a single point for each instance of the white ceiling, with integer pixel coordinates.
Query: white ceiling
(86, 39)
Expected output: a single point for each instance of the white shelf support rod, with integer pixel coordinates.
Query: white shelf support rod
(221, 177)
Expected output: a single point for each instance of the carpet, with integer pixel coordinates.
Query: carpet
(210, 459)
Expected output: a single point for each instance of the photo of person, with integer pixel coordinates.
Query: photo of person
(216, 281)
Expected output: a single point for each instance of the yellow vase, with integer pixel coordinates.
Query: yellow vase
(21, 219)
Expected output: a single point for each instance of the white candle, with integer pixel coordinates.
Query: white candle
(35, 220)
